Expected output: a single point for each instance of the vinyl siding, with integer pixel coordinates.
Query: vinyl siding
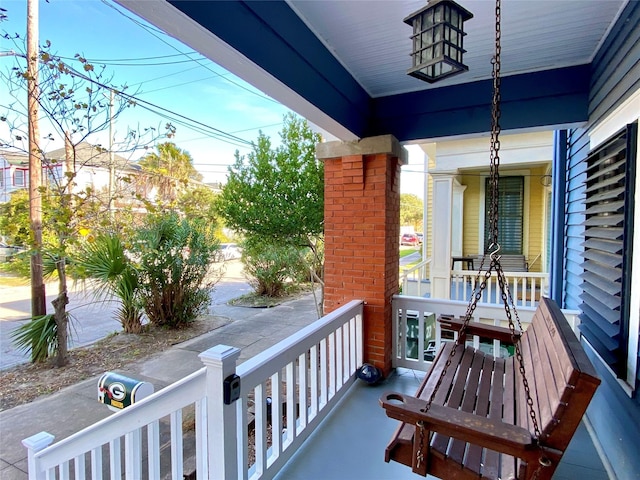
(472, 212)
(615, 76)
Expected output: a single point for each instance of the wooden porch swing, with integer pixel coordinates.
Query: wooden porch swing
(476, 416)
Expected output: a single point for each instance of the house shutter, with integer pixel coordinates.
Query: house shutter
(510, 209)
(607, 253)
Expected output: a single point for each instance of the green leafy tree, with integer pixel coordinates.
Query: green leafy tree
(199, 203)
(277, 194)
(171, 169)
(411, 210)
(74, 103)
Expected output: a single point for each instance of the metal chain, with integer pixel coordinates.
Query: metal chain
(494, 265)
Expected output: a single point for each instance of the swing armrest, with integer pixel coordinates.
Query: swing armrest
(448, 322)
(489, 433)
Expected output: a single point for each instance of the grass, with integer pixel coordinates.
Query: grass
(404, 251)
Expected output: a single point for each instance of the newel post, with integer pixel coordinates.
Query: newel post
(34, 444)
(222, 435)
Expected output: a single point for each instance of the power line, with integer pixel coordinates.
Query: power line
(148, 29)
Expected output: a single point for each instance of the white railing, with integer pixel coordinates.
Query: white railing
(415, 280)
(286, 390)
(525, 287)
(418, 335)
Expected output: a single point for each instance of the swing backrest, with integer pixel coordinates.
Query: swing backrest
(561, 379)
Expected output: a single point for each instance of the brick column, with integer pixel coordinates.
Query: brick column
(362, 234)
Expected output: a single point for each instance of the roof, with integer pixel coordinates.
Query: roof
(89, 155)
(342, 64)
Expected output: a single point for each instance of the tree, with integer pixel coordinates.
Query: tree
(411, 210)
(278, 194)
(171, 170)
(76, 108)
(199, 203)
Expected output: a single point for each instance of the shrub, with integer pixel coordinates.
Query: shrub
(175, 257)
(105, 261)
(271, 265)
(39, 336)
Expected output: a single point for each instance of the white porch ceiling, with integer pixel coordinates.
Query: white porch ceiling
(372, 42)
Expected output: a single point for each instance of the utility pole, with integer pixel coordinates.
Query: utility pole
(111, 161)
(38, 296)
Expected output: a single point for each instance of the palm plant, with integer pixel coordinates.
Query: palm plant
(104, 260)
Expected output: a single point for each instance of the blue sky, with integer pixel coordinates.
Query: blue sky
(180, 80)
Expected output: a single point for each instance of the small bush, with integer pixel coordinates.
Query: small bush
(271, 266)
(39, 336)
(175, 257)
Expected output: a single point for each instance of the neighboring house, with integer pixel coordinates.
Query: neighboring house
(14, 175)
(524, 195)
(571, 68)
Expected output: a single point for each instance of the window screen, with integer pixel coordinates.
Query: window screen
(510, 210)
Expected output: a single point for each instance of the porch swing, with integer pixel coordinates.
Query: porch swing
(476, 416)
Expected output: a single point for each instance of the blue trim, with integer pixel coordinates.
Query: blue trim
(551, 97)
(272, 36)
(558, 192)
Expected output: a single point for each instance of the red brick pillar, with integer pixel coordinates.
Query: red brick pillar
(362, 234)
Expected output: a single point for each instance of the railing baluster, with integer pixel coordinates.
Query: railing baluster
(96, 463)
(153, 450)
(302, 391)
(291, 404)
(313, 410)
(133, 454)
(260, 425)
(339, 358)
(176, 444)
(79, 466)
(333, 367)
(276, 416)
(115, 464)
(202, 470)
(64, 470)
(325, 370)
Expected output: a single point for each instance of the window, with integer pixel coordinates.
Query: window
(608, 224)
(510, 214)
(19, 178)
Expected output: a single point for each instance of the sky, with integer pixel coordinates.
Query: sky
(160, 70)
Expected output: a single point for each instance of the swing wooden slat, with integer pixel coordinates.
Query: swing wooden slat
(478, 424)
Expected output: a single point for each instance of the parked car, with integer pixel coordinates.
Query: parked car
(409, 239)
(420, 237)
(8, 251)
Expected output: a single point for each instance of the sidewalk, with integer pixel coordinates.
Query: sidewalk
(76, 407)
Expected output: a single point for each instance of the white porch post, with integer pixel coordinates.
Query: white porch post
(222, 447)
(34, 444)
(441, 235)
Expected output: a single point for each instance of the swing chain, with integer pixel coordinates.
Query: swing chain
(494, 265)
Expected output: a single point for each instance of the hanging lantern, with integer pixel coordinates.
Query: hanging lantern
(437, 40)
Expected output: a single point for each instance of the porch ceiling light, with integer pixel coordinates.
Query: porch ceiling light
(437, 40)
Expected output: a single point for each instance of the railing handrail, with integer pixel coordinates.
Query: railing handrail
(177, 395)
(340, 329)
(408, 271)
(506, 273)
(259, 367)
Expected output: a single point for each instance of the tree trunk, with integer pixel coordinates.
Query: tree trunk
(59, 304)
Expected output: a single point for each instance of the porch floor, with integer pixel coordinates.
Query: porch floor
(350, 443)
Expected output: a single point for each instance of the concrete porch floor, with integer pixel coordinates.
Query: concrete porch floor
(350, 443)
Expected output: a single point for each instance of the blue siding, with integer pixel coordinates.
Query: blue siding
(574, 216)
(615, 75)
